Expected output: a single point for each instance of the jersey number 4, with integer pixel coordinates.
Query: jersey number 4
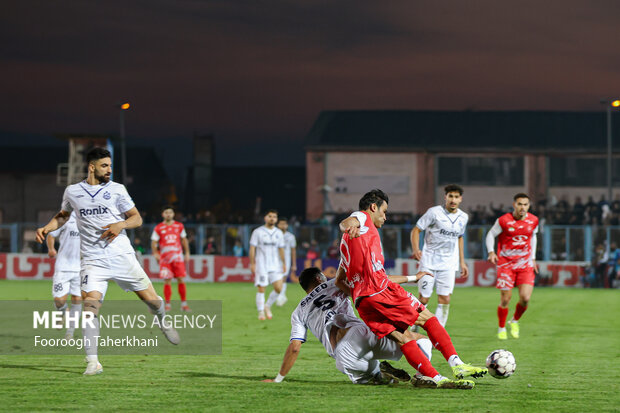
(323, 303)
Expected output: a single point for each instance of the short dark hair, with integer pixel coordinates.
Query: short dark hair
(97, 153)
(453, 188)
(282, 219)
(376, 196)
(165, 207)
(269, 211)
(307, 276)
(520, 195)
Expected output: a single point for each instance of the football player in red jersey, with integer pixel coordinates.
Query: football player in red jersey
(515, 260)
(386, 308)
(171, 249)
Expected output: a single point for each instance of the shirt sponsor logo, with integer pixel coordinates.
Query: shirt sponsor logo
(74, 233)
(93, 211)
(449, 233)
(519, 240)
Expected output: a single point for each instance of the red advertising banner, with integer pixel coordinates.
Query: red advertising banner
(211, 268)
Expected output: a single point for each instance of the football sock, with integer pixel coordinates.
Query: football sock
(283, 292)
(167, 292)
(416, 358)
(455, 360)
(272, 298)
(90, 334)
(260, 301)
(426, 346)
(182, 291)
(502, 314)
(439, 337)
(518, 312)
(74, 315)
(61, 308)
(160, 312)
(442, 313)
(439, 377)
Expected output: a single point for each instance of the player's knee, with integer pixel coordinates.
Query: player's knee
(60, 301)
(91, 306)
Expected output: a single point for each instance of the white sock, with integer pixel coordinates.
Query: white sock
(260, 301)
(442, 313)
(438, 377)
(161, 311)
(74, 313)
(272, 298)
(62, 308)
(183, 303)
(455, 360)
(283, 292)
(426, 346)
(90, 337)
(500, 329)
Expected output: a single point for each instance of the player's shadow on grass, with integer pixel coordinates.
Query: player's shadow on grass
(195, 374)
(39, 368)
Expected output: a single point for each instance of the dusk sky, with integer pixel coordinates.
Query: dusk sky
(257, 73)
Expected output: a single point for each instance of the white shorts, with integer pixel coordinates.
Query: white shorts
(66, 282)
(444, 280)
(263, 280)
(359, 352)
(124, 269)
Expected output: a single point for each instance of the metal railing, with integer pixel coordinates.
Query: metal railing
(555, 242)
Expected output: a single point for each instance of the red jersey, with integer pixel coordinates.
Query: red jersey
(362, 259)
(169, 239)
(514, 249)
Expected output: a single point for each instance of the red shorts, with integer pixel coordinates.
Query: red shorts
(392, 309)
(507, 278)
(172, 269)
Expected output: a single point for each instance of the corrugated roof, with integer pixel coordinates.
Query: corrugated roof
(462, 131)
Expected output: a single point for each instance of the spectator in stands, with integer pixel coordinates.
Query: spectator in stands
(238, 249)
(313, 251)
(333, 251)
(613, 264)
(210, 247)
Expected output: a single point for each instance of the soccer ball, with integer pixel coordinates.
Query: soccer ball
(501, 364)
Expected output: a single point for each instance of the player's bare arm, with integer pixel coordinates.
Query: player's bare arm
(351, 226)
(415, 243)
(134, 220)
(290, 357)
(401, 279)
(282, 259)
(155, 250)
(341, 281)
(253, 259)
(51, 251)
(55, 223)
(185, 245)
(464, 269)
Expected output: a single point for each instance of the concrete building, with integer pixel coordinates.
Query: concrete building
(412, 154)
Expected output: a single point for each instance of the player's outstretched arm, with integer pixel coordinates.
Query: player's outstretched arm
(55, 223)
(401, 279)
(290, 357)
(341, 281)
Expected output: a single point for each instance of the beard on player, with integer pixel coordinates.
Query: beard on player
(103, 178)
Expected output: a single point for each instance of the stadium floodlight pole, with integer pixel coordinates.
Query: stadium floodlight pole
(608, 105)
(123, 106)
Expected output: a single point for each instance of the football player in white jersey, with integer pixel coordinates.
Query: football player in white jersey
(104, 210)
(329, 315)
(66, 270)
(290, 258)
(267, 262)
(443, 252)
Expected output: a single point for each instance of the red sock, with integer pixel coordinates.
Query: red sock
(518, 311)
(182, 291)
(502, 313)
(417, 359)
(167, 293)
(439, 337)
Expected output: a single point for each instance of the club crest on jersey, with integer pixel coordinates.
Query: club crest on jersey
(93, 211)
(106, 195)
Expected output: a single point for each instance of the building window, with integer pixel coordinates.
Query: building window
(488, 171)
(589, 172)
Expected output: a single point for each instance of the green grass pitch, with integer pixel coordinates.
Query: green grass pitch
(568, 359)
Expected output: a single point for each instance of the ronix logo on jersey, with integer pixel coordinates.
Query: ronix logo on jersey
(449, 233)
(519, 240)
(93, 211)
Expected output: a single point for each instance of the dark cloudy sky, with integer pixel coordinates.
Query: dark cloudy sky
(257, 73)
